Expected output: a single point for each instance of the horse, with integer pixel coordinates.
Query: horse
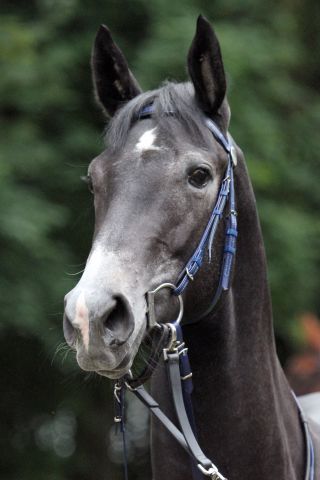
(154, 188)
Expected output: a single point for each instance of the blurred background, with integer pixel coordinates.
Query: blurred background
(56, 420)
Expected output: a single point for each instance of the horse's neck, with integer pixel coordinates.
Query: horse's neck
(246, 417)
(242, 400)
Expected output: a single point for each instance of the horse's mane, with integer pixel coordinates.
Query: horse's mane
(171, 97)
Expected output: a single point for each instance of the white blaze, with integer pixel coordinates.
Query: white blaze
(82, 319)
(146, 141)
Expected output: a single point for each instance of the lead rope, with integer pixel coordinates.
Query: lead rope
(176, 361)
(187, 389)
(119, 419)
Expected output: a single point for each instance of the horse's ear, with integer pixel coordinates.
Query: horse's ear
(206, 68)
(113, 82)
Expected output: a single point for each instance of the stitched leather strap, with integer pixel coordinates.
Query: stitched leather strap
(175, 384)
(185, 437)
(153, 406)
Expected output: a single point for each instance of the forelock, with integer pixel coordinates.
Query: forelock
(170, 101)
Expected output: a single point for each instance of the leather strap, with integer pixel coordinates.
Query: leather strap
(176, 390)
(185, 437)
(158, 338)
(141, 393)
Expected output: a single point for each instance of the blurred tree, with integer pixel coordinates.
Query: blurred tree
(55, 424)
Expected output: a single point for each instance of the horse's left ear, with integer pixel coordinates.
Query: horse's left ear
(113, 81)
(206, 68)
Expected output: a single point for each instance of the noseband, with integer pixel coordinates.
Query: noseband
(168, 340)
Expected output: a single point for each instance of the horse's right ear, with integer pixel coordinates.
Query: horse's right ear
(113, 82)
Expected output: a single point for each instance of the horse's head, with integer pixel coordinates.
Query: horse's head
(154, 188)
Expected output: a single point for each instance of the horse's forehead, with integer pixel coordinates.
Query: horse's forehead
(146, 140)
(146, 135)
(143, 138)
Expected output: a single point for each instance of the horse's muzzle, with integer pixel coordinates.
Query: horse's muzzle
(97, 327)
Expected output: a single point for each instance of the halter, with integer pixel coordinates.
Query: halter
(169, 337)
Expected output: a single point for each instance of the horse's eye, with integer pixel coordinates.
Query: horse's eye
(199, 178)
(88, 180)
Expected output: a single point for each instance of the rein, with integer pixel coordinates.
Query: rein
(167, 339)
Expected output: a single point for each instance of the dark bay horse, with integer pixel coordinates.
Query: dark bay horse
(154, 189)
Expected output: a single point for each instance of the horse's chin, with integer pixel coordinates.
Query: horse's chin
(120, 371)
(103, 368)
(114, 374)
(108, 363)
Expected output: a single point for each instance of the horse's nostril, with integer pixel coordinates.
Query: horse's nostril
(68, 331)
(118, 323)
(116, 315)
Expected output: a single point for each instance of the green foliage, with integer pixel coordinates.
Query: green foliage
(51, 130)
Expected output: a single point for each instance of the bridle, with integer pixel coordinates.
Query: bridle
(226, 192)
(168, 337)
(192, 267)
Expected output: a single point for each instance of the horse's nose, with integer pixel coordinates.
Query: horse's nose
(92, 320)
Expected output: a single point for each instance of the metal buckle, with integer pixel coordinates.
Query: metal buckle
(116, 391)
(150, 301)
(189, 274)
(225, 186)
(212, 472)
(117, 388)
(174, 345)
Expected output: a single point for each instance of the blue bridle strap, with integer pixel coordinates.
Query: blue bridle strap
(229, 250)
(146, 111)
(226, 193)
(195, 262)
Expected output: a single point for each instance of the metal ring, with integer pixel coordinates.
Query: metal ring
(150, 301)
(163, 285)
